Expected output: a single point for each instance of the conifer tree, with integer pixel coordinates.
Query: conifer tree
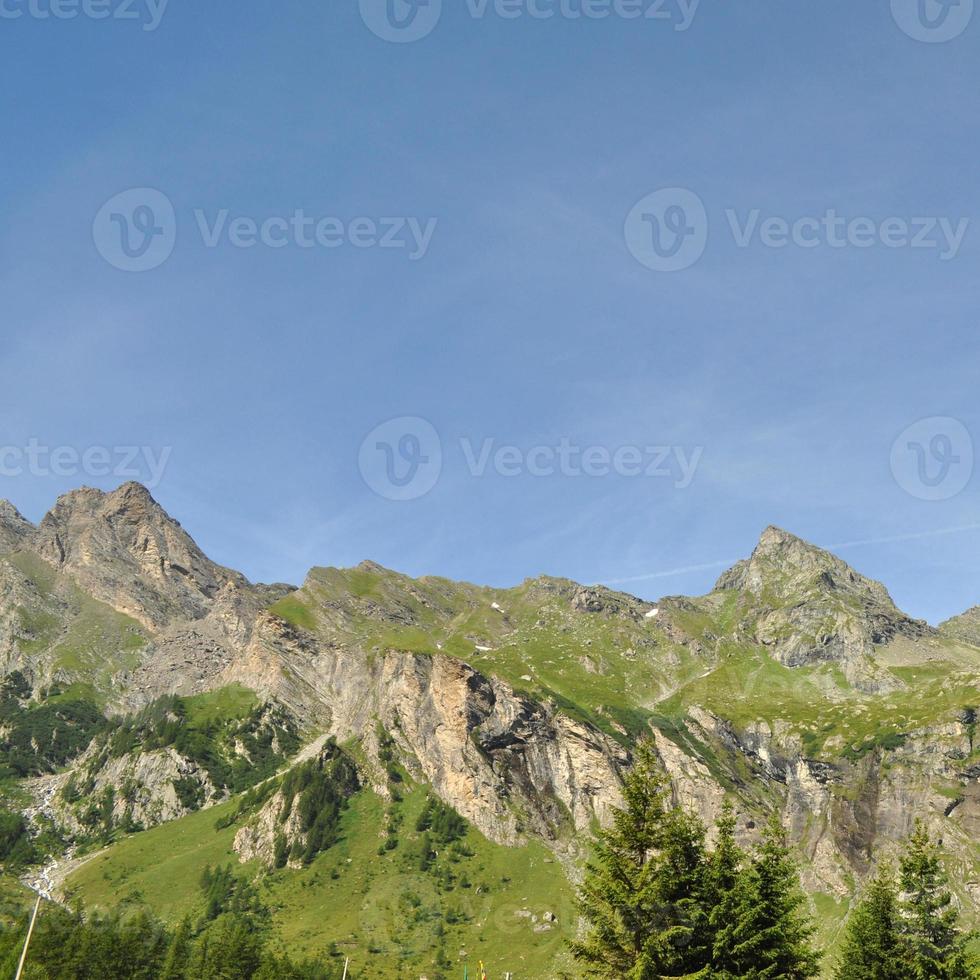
(935, 947)
(642, 895)
(765, 933)
(724, 865)
(873, 946)
(178, 952)
(229, 948)
(680, 944)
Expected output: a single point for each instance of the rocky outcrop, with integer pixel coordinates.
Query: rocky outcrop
(843, 815)
(15, 530)
(125, 550)
(807, 606)
(144, 789)
(281, 831)
(18, 629)
(508, 764)
(602, 601)
(256, 841)
(965, 627)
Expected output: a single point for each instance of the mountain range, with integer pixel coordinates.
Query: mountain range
(161, 712)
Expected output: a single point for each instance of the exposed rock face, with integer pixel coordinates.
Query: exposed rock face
(600, 600)
(15, 530)
(257, 839)
(143, 789)
(280, 818)
(17, 593)
(844, 815)
(124, 549)
(965, 627)
(509, 765)
(809, 606)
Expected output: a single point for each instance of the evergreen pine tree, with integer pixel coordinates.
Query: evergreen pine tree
(680, 945)
(872, 946)
(766, 934)
(178, 953)
(935, 947)
(641, 895)
(228, 949)
(139, 943)
(724, 864)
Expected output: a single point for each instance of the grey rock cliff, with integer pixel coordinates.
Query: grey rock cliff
(808, 606)
(965, 627)
(510, 765)
(15, 530)
(124, 549)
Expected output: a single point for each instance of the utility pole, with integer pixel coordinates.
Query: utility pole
(27, 941)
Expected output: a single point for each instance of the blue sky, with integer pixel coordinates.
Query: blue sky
(787, 373)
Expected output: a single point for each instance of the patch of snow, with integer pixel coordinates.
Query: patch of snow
(652, 614)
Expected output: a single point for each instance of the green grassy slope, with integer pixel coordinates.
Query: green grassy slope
(72, 637)
(381, 910)
(608, 667)
(620, 670)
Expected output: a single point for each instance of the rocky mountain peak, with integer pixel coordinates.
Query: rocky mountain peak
(789, 567)
(372, 567)
(15, 529)
(965, 627)
(134, 498)
(775, 541)
(127, 551)
(809, 606)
